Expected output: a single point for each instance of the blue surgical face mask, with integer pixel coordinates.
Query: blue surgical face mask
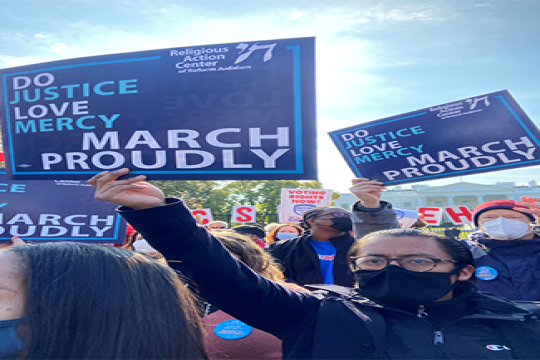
(10, 343)
(285, 236)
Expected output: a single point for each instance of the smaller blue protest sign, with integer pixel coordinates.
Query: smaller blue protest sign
(56, 210)
(480, 134)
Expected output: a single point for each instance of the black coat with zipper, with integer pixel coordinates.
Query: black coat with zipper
(332, 324)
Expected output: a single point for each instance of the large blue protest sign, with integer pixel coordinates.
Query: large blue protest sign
(231, 111)
(56, 210)
(480, 134)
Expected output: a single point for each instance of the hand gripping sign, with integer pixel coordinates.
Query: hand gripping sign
(453, 139)
(204, 216)
(295, 202)
(244, 214)
(238, 111)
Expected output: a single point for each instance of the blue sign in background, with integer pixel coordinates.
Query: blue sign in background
(479, 134)
(58, 210)
(227, 111)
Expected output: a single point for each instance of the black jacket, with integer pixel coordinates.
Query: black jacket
(301, 262)
(516, 262)
(302, 265)
(324, 325)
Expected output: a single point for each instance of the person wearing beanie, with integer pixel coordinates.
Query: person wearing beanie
(507, 256)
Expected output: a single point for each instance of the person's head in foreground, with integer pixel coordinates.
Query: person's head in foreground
(409, 266)
(504, 220)
(82, 301)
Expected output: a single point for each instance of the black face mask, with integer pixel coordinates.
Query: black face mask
(341, 223)
(397, 285)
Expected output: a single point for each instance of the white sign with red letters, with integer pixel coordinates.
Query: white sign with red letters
(458, 214)
(295, 202)
(431, 215)
(244, 214)
(204, 216)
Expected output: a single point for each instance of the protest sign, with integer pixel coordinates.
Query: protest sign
(236, 111)
(430, 215)
(295, 202)
(459, 214)
(56, 210)
(244, 214)
(480, 134)
(406, 217)
(204, 216)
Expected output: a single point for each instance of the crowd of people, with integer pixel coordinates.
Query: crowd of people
(342, 284)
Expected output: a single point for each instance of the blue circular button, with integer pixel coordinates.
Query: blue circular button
(232, 329)
(486, 273)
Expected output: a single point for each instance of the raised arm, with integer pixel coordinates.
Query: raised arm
(373, 213)
(169, 227)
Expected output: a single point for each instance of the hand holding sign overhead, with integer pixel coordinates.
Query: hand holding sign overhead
(132, 192)
(368, 192)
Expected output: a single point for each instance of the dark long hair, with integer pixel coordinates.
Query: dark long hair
(87, 301)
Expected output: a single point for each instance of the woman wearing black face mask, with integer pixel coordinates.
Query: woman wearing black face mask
(408, 305)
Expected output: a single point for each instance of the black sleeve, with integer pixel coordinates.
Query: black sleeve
(221, 279)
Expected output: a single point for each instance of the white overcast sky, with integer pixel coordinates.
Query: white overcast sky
(374, 58)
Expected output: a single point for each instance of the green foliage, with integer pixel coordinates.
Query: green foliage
(220, 196)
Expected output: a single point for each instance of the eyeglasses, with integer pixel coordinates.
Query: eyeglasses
(335, 214)
(419, 264)
(217, 228)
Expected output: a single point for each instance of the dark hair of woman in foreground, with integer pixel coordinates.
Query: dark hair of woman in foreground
(86, 301)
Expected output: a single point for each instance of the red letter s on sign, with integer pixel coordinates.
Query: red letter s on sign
(242, 216)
